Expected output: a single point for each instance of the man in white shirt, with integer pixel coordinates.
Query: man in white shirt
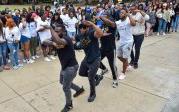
(124, 45)
(43, 29)
(126, 39)
(64, 16)
(138, 33)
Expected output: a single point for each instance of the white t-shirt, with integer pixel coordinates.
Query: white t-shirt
(64, 18)
(45, 34)
(32, 28)
(125, 32)
(12, 34)
(71, 24)
(140, 27)
(24, 30)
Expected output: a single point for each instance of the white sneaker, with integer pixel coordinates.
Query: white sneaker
(15, 67)
(33, 57)
(30, 61)
(47, 59)
(24, 61)
(122, 76)
(158, 34)
(9, 61)
(164, 33)
(20, 65)
(129, 68)
(52, 57)
(37, 56)
(115, 84)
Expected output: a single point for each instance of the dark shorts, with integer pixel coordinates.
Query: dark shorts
(24, 39)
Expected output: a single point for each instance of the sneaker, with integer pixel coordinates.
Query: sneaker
(164, 33)
(24, 61)
(20, 65)
(115, 84)
(136, 66)
(47, 59)
(91, 98)
(6, 67)
(52, 57)
(15, 67)
(131, 63)
(30, 61)
(122, 76)
(67, 108)
(37, 57)
(33, 57)
(78, 93)
(98, 78)
(1, 69)
(129, 68)
(104, 71)
(9, 61)
(158, 34)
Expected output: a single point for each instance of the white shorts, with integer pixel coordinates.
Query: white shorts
(124, 50)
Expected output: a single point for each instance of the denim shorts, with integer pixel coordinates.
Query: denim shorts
(24, 39)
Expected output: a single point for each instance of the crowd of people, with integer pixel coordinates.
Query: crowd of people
(107, 30)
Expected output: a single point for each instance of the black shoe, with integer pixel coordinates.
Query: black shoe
(91, 98)
(136, 66)
(78, 93)
(98, 79)
(131, 63)
(67, 108)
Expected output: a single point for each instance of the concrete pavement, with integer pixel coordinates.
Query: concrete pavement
(154, 87)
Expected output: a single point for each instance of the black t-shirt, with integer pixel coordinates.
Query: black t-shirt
(67, 55)
(108, 42)
(176, 11)
(90, 46)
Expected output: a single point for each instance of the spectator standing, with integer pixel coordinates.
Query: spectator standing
(71, 23)
(164, 17)
(176, 18)
(25, 40)
(3, 48)
(13, 37)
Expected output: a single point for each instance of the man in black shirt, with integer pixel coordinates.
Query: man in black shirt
(108, 49)
(69, 64)
(89, 34)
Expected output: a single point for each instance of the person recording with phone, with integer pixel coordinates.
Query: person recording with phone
(13, 37)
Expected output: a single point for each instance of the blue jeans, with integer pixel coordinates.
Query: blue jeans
(176, 23)
(162, 25)
(14, 47)
(3, 52)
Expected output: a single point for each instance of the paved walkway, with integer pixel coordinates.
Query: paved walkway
(154, 87)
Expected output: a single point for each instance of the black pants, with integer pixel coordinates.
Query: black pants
(138, 40)
(111, 60)
(168, 26)
(89, 70)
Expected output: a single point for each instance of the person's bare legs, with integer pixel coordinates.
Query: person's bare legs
(27, 50)
(125, 64)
